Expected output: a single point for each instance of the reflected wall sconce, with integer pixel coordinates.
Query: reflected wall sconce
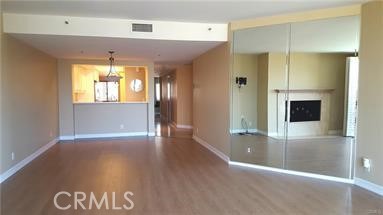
(241, 81)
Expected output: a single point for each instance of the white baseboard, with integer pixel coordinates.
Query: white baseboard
(66, 137)
(263, 132)
(26, 160)
(274, 135)
(151, 134)
(335, 132)
(172, 123)
(254, 130)
(369, 186)
(175, 125)
(292, 172)
(211, 148)
(185, 126)
(106, 135)
(236, 131)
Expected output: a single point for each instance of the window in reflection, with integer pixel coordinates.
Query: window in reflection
(106, 91)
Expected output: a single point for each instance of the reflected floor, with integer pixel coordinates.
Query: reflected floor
(165, 129)
(325, 156)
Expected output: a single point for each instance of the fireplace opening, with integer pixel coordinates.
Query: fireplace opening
(305, 110)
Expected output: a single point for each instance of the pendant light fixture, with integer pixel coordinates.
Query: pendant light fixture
(112, 76)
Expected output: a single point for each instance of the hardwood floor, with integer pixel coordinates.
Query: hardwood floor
(171, 176)
(326, 156)
(164, 129)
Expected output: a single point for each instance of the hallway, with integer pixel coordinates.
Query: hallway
(165, 129)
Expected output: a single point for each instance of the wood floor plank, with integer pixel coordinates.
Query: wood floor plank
(171, 176)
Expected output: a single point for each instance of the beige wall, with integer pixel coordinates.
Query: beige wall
(184, 76)
(211, 97)
(370, 116)
(308, 71)
(263, 76)
(277, 80)
(131, 73)
(1, 90)
(29, 100)
(327, 13)
(245, 98)
(65, 92)
(322, 71)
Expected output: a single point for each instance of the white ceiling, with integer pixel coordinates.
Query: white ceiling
(160, 51)
(182, 10)
(325, 36)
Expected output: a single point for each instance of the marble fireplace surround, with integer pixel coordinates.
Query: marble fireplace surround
(304, 129)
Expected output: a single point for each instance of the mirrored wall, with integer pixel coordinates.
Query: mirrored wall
(294, 96)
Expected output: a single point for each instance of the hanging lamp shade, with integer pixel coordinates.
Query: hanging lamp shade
(112, 76)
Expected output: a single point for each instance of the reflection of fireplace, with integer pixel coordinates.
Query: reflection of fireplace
(305, 110)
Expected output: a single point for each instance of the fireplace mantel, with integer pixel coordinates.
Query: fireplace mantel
(304, 90)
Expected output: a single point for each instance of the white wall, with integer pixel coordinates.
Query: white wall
(112, 119)
(108, 27)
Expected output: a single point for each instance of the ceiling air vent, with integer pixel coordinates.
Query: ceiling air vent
(136, 27)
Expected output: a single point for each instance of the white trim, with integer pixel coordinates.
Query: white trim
(106, 135)
(254, 130)
(26, 160)
(312, 137)
(236, 131)
(263, 132)
(335, 132)
(66, 137)
(175, 125)
(378, 189)
(274, 135)
(292, 172)
(185, 126)
(212, 149)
